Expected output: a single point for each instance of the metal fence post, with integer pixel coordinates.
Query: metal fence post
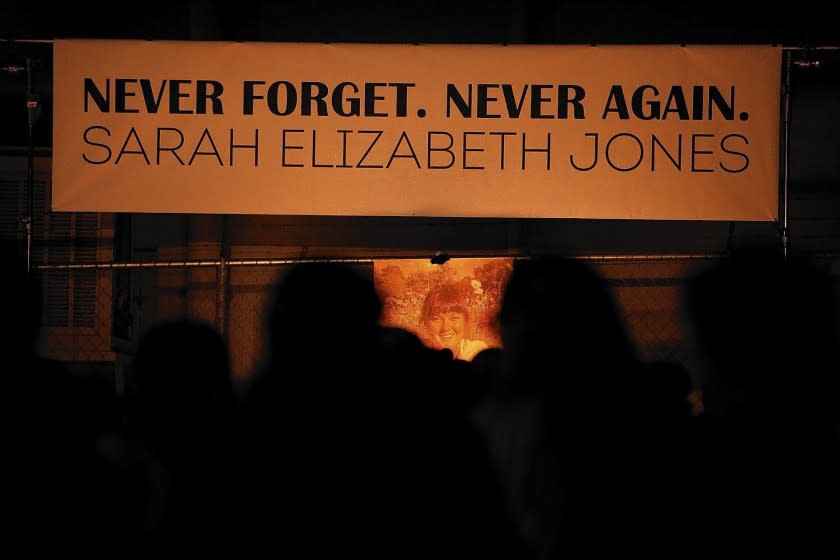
(221, 296)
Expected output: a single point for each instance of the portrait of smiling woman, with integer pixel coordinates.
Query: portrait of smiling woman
(445, 317)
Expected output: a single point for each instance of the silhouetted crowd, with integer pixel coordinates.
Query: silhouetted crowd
(354, 440)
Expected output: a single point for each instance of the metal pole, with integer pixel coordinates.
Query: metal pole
(31, 105)
(786, 159)
(221, 283)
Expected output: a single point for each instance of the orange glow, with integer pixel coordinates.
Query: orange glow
(635, 132)
(453, 305)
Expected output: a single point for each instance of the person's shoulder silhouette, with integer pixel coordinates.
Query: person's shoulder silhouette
(765, 327)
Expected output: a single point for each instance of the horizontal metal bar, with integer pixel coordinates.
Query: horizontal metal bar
(270, 262)
(669, 257)
(790, 48)
(821, 48)
(189, 264)
(112, 265)
(288, 261)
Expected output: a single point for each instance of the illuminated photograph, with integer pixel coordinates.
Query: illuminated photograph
(453, 305)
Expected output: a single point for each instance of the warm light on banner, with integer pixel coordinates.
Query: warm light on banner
(454, 305)
(628, 132)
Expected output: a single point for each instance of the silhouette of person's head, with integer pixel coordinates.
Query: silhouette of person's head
(764, 326)
(558, 309)
(318, 306)
(181, 374)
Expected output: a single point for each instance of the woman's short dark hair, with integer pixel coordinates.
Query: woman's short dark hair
(446, 298)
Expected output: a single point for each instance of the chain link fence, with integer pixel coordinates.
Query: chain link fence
(94, 314)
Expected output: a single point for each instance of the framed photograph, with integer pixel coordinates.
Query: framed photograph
(453, 305)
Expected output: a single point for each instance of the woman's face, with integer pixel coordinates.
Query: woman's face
(447, 330)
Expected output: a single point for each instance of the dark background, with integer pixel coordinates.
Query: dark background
(530, 21)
